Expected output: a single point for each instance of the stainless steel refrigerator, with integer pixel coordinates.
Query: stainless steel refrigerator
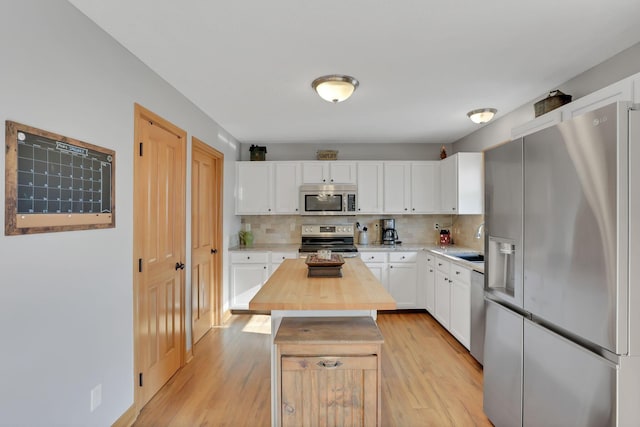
(562, 294)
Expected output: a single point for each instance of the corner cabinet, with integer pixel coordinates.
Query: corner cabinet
(462, 182)
(411, 187)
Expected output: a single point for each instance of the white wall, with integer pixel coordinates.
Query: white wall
(620, 66)
(66, 315)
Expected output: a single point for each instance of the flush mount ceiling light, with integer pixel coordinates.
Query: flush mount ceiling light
(482, 115)
(335, 88)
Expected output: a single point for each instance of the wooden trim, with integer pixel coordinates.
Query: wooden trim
(127, 418)
(216, 295)
(29, 223)
(226, 316)
(189, 355)
(140, 114)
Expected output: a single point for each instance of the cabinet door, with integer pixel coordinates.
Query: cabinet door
(370, 187)
(429, 283)
(397, 188)
(460, 326)
(449, 184)
(246, 280)
(425, 187)
(443, 298)
(315, 173)
(286, 187)
(380, 271)
(470, 178)
(342, 172)
(329, 391)
(403, 282)
(253, 188)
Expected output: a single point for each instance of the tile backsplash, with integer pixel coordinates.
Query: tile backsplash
(411, 228)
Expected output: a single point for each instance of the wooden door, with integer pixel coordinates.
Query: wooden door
(159, 251)
(206, 208)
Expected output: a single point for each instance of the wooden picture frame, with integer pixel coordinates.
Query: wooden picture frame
(56, 183)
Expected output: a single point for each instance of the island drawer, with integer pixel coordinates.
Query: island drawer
(281, 256)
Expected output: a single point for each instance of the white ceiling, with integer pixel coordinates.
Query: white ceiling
(422, 64)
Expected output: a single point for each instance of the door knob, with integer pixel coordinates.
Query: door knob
(214, 251)
(179, 266)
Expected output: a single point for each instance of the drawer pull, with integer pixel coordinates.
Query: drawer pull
(329, 363)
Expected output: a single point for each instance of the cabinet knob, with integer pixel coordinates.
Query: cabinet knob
(439, 264)
(430, 270)
(248, 257)
(457, 272)
(265, 267)
(391, 266)
(296, 209)
(283, 257)
(269, 209)
(402, 256)
(450, 281)
(332, 180)
(453, 209)
(406, 209)
(413, 209)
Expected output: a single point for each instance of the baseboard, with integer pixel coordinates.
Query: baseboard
(226, 316)
(189, 355)
(127, 419)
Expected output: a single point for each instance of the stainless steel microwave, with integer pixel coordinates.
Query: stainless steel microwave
(331, 199)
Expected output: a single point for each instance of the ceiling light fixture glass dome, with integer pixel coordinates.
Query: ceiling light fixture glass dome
(482, 115)
(335, 87)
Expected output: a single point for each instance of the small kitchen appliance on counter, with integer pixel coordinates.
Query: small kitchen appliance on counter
(389, 234)
(338, 238)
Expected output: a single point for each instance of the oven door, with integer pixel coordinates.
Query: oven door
(318, 203)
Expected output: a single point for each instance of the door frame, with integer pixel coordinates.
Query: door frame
(216, 292)
(140, 114)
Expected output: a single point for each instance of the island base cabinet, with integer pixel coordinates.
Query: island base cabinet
(328, 372)
(329, 390)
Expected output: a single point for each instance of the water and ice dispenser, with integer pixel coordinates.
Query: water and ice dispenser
(501, 268)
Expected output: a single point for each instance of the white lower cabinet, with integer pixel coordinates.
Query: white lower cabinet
(277, 258)
(427, 278)
(453, 299)
(460, 320)
(249, 271)
(377, 263)
(398, 273)
(403, 279)
(442, 301)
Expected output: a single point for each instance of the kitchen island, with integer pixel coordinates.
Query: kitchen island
(290, 293)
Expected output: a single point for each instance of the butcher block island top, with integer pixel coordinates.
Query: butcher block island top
(289, 288)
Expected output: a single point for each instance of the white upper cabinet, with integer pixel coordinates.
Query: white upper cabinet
(461, 184)
(328, 172)
(425, 187)
(253, 188)
(370, 187)
(286, 187)
(266, 188)
(397, 187)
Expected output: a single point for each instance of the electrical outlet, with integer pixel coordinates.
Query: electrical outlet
(436, 226)
(96, 397)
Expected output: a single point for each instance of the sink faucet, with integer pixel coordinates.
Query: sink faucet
(479, 231)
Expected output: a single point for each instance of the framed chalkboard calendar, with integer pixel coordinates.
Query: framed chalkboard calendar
(56, 183)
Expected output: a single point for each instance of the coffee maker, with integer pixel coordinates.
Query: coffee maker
(389, 235)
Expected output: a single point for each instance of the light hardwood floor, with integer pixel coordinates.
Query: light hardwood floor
(428, 378)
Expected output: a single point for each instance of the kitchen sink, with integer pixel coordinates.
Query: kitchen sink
(471, 257)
